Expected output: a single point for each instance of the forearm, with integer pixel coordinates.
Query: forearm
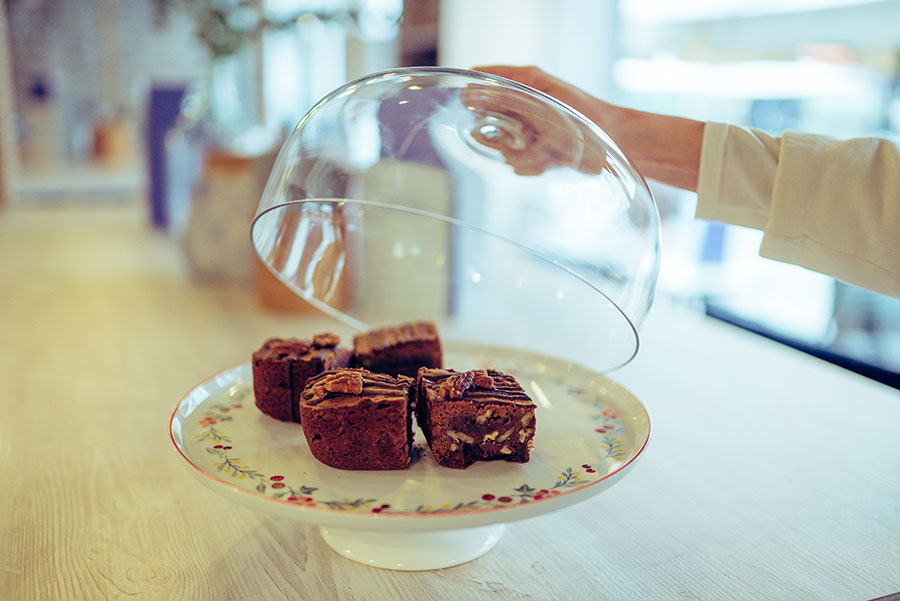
(825, 204)
(661, 147)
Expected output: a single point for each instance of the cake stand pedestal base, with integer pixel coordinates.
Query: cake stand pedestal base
(412, 551)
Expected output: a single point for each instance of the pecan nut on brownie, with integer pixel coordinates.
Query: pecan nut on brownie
(354, 419)
(282, 366)
(480, 415)
(401, 349)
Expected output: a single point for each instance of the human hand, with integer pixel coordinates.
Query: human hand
(661, 147)
(531, 135)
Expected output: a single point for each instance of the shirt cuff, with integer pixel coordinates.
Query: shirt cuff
(736, 176)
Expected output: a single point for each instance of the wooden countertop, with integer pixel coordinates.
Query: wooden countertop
(770, 475)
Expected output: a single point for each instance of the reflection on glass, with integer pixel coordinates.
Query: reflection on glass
(469, 200)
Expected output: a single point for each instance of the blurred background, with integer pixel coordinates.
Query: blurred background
(177, 107)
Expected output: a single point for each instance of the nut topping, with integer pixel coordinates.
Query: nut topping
(345, 382)
(483, 380)
(326, 340)
(280, 348)
(456, 386)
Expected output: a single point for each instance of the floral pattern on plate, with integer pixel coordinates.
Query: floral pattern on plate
(228, 430)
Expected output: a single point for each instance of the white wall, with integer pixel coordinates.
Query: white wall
(575, 40)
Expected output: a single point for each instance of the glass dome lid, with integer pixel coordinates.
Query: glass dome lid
(469, 200)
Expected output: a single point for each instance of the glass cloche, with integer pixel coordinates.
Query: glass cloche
(470, 200)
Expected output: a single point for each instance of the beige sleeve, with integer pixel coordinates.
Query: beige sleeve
(829, 205)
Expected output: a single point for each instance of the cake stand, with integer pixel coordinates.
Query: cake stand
(589, 433)
(509, 220)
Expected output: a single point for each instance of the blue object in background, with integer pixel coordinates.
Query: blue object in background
(163, 109)
(713, 244)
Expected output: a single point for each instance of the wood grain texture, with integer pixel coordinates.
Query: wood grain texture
(769, 475)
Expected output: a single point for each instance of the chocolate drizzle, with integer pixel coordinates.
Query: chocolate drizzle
(378, 340)
(375, 386)
(503, 388)
(281, 349)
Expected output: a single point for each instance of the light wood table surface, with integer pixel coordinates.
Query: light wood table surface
(770, 475)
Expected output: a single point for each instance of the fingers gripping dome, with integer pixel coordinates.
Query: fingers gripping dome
(470, 201)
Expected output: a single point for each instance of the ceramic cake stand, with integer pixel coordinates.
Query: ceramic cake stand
(589, 432)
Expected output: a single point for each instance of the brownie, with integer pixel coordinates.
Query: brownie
(282, 366)
(401, 349)
(471, 416)
(354, 419)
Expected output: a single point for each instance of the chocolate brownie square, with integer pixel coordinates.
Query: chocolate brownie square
(480, 415)
(401, 349)
(355, 419)
(282, 366)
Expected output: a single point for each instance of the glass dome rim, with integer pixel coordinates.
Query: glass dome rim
(351, 321)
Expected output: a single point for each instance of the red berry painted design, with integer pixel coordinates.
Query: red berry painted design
(488, 497)
(278, 485)
(276, 478)
(505, 499)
